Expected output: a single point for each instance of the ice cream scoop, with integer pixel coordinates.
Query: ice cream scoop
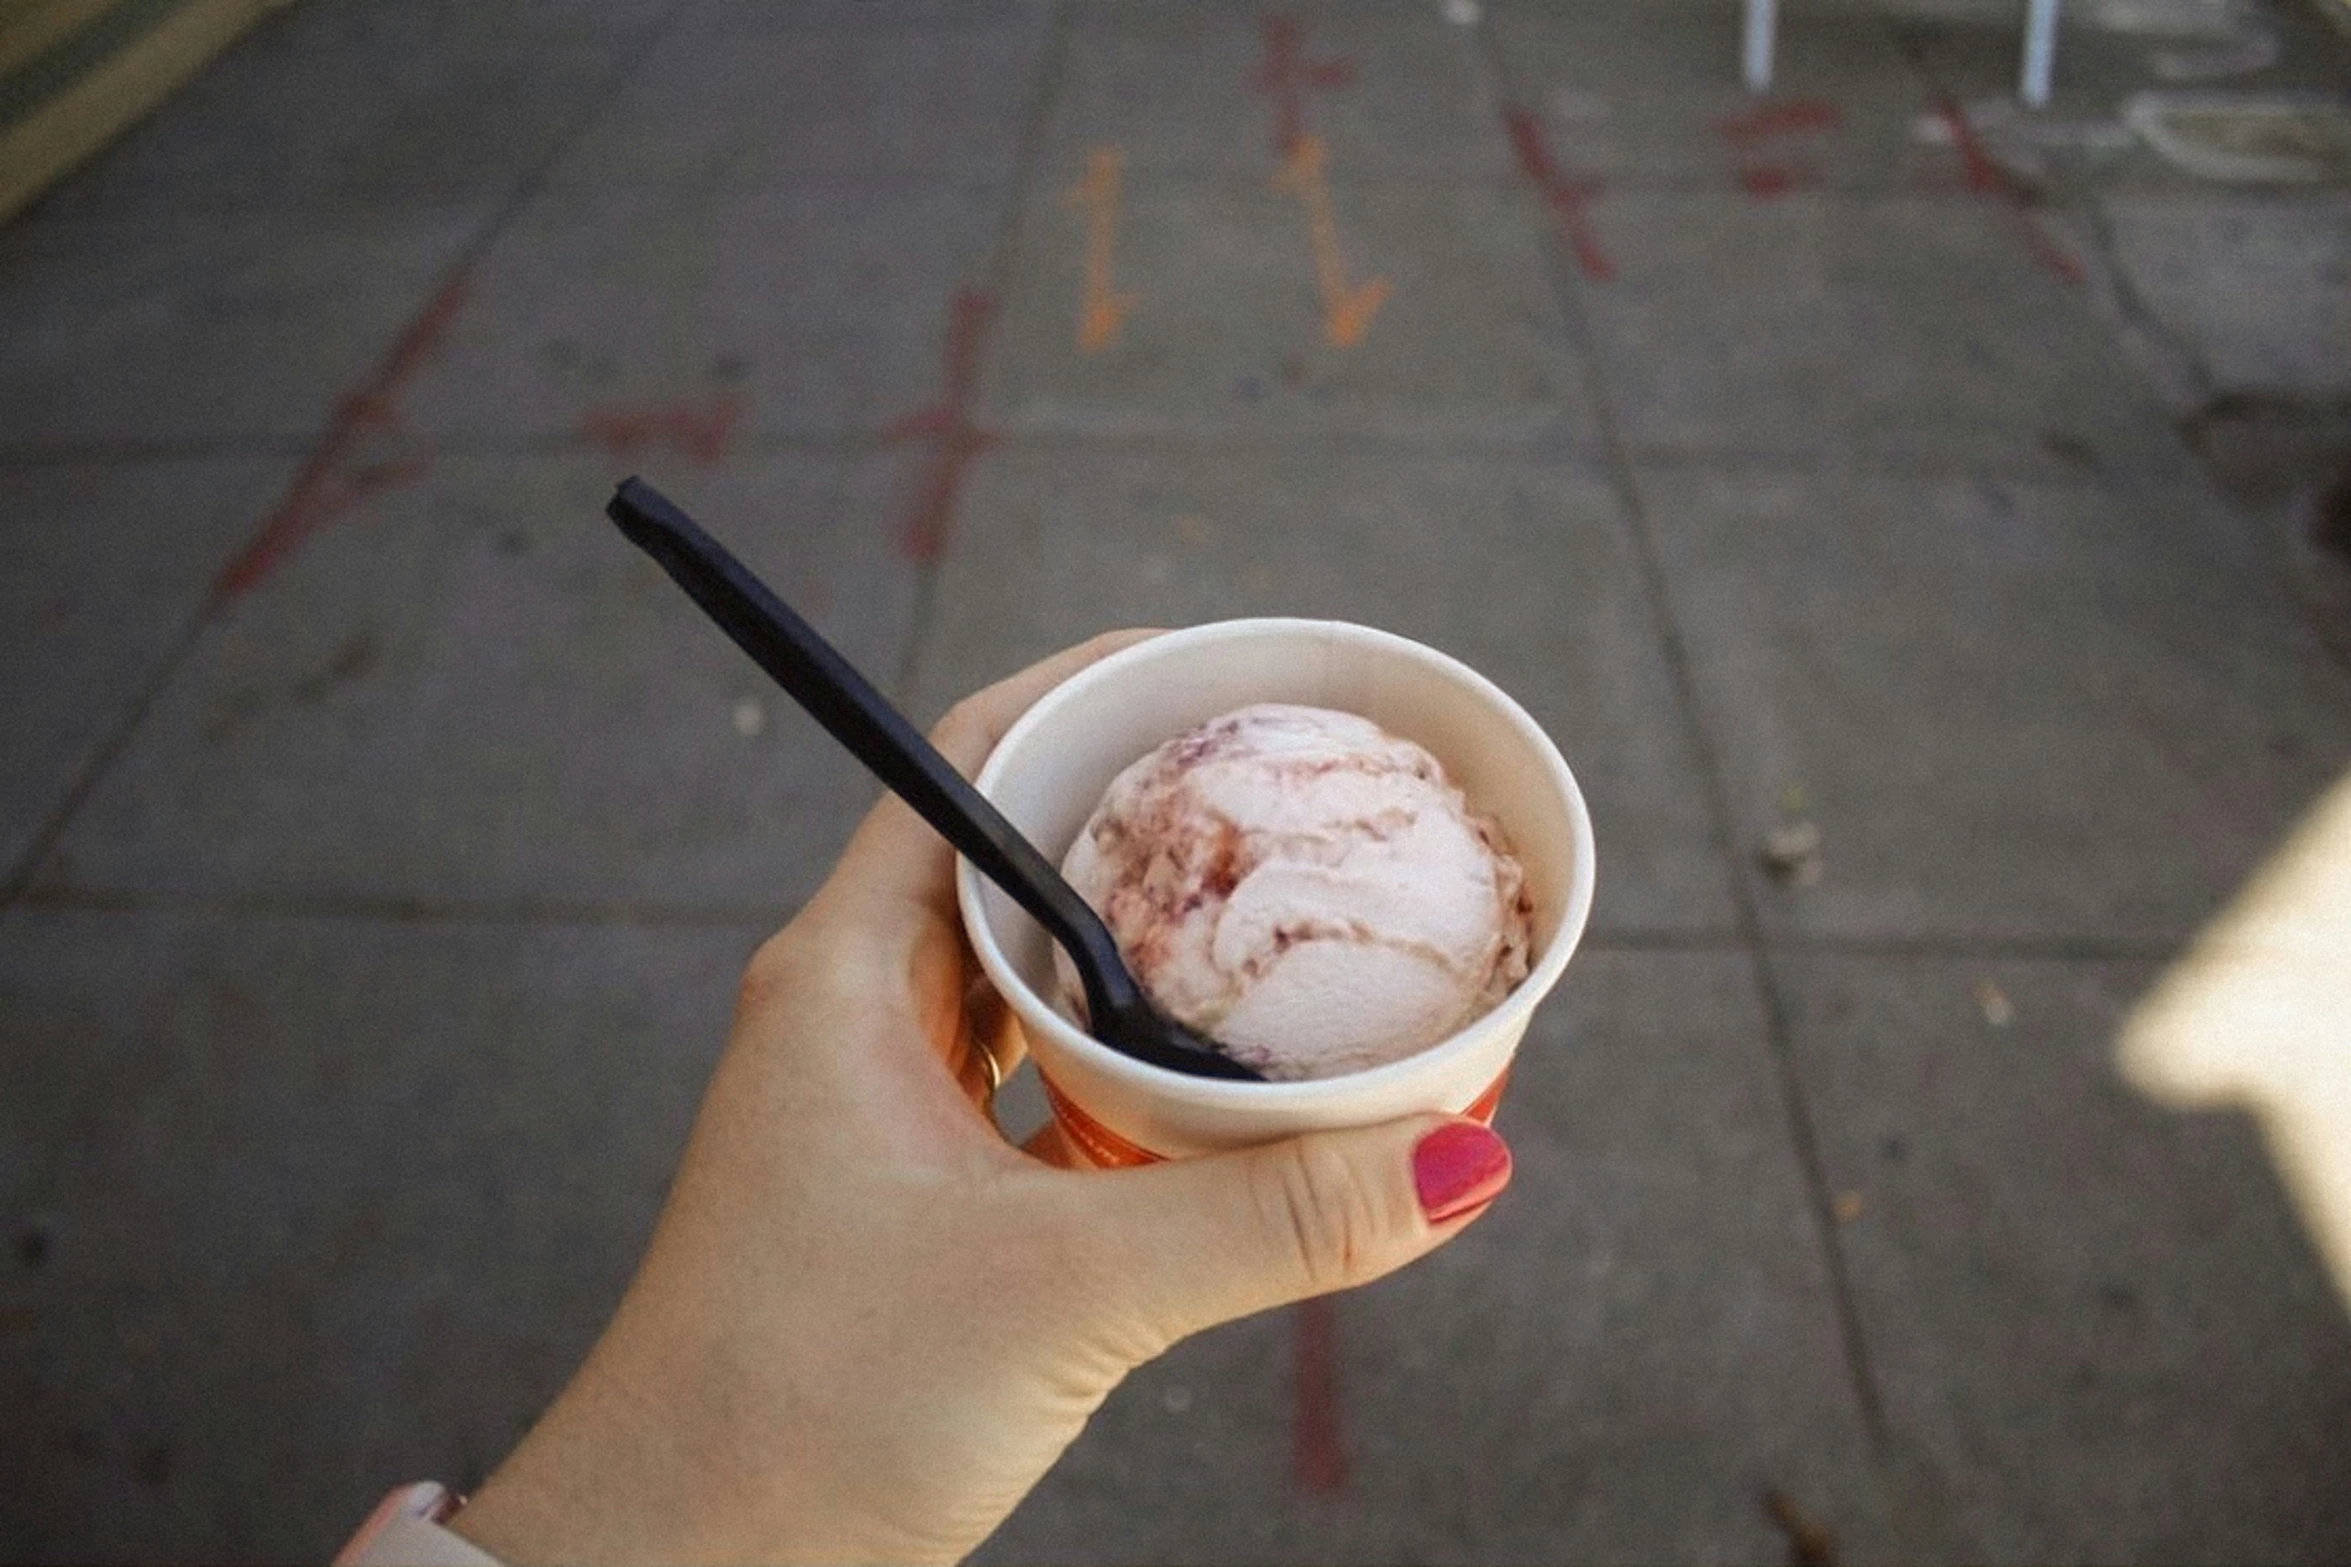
(1305, 887)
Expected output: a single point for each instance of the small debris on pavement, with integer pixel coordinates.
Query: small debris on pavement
(750, 717)
(1176, 1399)
(1791, 852)
(1463, 13)
(1997, 1010)
(1810, 1544)
(1847, 1207)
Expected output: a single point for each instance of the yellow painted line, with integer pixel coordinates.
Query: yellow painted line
(1347, 308)
(28, 27)
(99, 105)
(1103, 311)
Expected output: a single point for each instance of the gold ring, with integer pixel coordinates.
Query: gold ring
(995, 1072)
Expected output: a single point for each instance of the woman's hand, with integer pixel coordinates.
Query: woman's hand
(867, 1325)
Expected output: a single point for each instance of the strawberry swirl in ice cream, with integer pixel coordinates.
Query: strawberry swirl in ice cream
(1305, 888)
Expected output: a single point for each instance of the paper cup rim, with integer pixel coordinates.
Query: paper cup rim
(1431, 1061)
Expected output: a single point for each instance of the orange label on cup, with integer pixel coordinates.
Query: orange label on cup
(1107, 1150)
(1482, 1108)
(1096, 1143)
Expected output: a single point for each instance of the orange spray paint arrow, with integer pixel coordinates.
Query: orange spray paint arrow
(1104, 310)
(1347, 308)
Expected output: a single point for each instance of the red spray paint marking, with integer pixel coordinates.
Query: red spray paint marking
(1771, 181)
(1976, 165)
(1772, 122)
(700, 431)
(341, 473)
(1285, 72)
(1570, 199)
(1788, 117)
(956, 441)
(1318, 1447)
(1983, 176)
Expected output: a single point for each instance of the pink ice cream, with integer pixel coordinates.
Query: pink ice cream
(1305, 888)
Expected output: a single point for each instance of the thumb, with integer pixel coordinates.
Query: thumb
(1209, 1239)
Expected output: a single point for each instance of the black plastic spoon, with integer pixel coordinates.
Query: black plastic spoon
(877, 734)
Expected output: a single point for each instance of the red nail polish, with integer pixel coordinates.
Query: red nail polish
(1457, 1167)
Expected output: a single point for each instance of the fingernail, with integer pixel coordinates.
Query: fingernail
(1459, 1166)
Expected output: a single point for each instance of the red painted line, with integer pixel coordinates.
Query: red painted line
(1285, 72)
(932, 517)
(947, 425)
(701, 431)
(1318, 1444)
(1788, 117)
(416, 346)
(1976, 166)
(1769, 182)
(1570, 198)
(338, 475)
(973, 311)
(1983, 176)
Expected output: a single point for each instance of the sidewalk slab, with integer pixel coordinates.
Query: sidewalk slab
(474, 690)
(2256, 286)
(108, 566)
(765, 97)
(1228, 332)
(1646, 93)
(2014, 711)
(343, 106)
(814, 16)
(808, 309)
(208, 330)
(464, 24)
(1522, 570)
(321, 1206)
(1394, 91)
(2099, 1332)
(1906, 330)
(1615, 1364)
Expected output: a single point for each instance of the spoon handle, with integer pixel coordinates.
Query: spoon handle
(862, 719)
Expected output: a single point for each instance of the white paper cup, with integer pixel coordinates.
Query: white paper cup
(1048, 774)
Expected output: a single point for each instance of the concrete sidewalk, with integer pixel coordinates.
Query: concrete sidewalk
(379, 836)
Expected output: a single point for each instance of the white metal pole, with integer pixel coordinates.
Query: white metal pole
(2040, 52)
(1755, 57)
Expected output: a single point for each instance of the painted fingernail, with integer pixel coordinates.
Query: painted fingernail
(1459, 1166)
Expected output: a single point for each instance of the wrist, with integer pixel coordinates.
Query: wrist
(633, 1464)
(592, 1482)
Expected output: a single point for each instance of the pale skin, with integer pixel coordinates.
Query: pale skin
(867, 1324)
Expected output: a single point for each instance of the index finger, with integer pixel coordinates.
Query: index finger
(896, 853)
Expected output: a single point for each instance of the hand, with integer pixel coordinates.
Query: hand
(866, 1324)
